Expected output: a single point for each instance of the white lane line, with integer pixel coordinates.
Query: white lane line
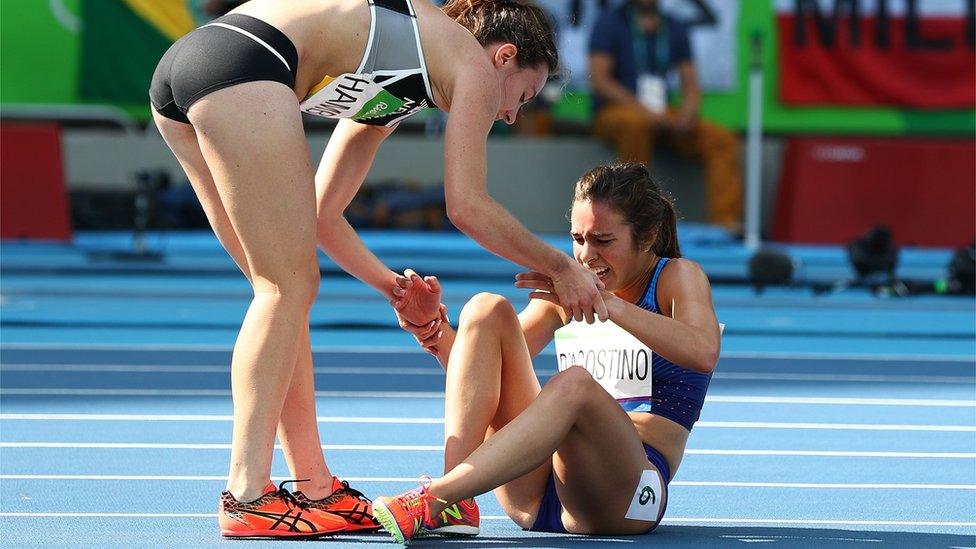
(688, 483)
(853, 378)
(667, 520)
(438, 448)
(832, 453)
(865, 357)
(828, 426)
(210, 392)
(438, 421)
(824, 486)
(116, 515)
(842, 401)
(733, 399)
(744, 521)
(209, 446)
(215, 418)
(422, 371)
(395, 350)
(809, 539)
(211, 369)
(190, 347)
(182, 478)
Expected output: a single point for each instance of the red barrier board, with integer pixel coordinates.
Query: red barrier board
(832, 190)
(33, 202)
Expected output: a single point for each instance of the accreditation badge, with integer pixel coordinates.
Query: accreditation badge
(652, 92)
(617, 360)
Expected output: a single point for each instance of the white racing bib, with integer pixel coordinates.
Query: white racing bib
(646, 504)
(617, 360)
(361, 97)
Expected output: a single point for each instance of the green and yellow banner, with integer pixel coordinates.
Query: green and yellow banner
(121, 42)
(87, 51)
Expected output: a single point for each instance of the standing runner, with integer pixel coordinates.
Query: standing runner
(228, 97)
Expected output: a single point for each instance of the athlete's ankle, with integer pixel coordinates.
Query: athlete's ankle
(435, 503)
(245, 492)
(436, 507)
(318, 488)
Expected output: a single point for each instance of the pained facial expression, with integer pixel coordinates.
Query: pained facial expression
(519, 84)
(603, 243)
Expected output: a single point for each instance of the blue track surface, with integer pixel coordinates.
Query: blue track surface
(838, 420)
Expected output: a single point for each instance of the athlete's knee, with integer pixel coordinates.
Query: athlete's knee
(306, 283)
(574, 384)
(298, 286)
(485, 309)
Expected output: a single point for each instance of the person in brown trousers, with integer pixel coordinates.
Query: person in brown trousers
(632, 49)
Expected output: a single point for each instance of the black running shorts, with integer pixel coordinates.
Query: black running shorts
(229, 50)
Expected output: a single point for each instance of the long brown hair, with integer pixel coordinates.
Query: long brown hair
(629, 188)
(522, 24)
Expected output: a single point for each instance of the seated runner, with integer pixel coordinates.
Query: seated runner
(569, 457)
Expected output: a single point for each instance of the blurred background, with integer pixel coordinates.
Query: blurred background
(822, 154)
(865, 117)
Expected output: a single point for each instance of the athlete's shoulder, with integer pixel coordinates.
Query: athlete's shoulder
(683, 273)
(455, 59)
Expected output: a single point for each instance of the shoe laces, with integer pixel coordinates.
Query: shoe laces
(288, 497)
(346, 489)
(425, 482)
(422, 494)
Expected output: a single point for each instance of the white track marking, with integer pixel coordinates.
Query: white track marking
(424, 371)
(667, 520)
(696, 484)
(439, 448)
(731, 399)
(438, 421)
(394, 350)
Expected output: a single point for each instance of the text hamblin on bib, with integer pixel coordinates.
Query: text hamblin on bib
(357, 97)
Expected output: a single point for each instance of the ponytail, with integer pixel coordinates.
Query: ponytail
(666, 242)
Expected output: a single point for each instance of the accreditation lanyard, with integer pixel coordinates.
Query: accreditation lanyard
(662, 47)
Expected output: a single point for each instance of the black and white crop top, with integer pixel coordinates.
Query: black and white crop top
(391, 82)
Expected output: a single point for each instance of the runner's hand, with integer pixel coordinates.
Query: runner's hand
(416, 300)
(575, 289)
(429, 335)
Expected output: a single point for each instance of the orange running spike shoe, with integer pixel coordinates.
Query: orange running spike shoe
(347, 503)
(276, 514)
(403, 516)
(460, 519)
